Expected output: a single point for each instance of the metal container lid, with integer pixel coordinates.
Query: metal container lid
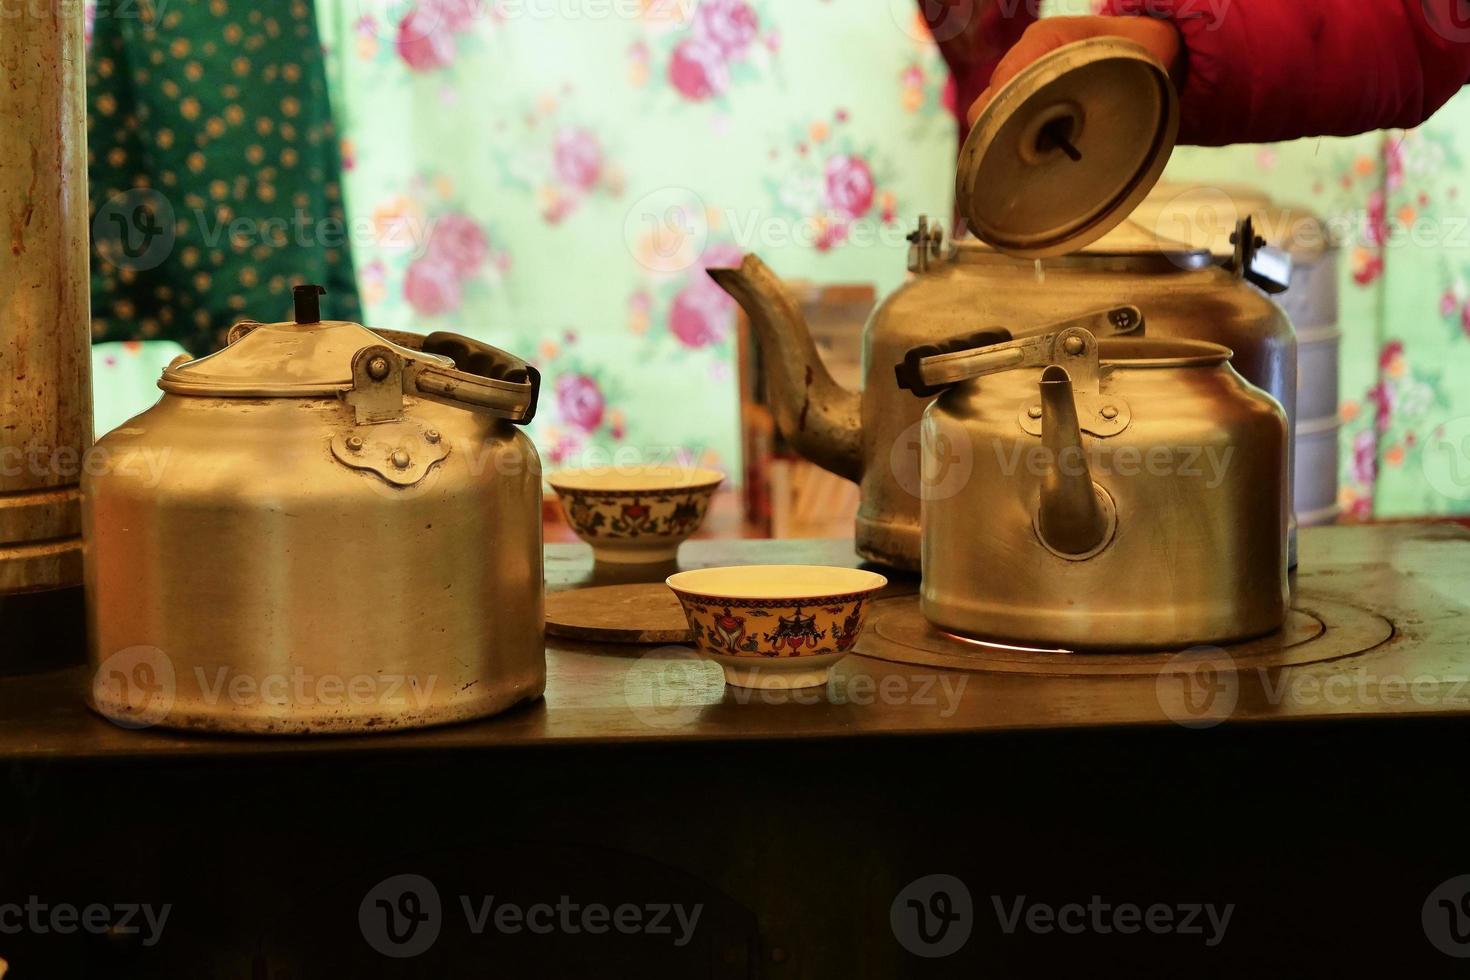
(1067, 148)
(306, 358)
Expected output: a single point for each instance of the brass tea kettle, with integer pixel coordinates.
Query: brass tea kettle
(319, 528)
(1028, 198)
(1114, 493)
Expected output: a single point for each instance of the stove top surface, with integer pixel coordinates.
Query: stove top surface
(1318, 629)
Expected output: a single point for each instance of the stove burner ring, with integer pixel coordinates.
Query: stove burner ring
(1318, 629)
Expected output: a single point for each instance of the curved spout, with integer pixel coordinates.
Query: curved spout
(820, 417)
(1071, 519)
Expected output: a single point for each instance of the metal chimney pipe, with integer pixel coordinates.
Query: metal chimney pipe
(45, 358)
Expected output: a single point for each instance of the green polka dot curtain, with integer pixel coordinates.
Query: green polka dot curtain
(214, 168)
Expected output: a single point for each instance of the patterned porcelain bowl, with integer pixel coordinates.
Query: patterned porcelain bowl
(635, 514)
(776, 626)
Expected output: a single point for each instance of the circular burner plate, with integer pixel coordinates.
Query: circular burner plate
(1316, 629)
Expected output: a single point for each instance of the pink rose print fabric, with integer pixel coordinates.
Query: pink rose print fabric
(698, 70)
(727, 25)
(426, 36)
(849, 185)
(458, 244)
(432, 288)
(563, 162)
(701, 314)
(577, 158)
(705, 56)
(827, 183)
(580, 401)
(456, 252)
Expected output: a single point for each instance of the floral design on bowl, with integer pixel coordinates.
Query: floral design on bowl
(635, 514)
(776, 626)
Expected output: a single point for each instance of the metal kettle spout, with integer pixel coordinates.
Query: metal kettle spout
(1072, 519)
(820, 417)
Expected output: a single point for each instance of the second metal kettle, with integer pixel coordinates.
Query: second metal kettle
(1123, 493)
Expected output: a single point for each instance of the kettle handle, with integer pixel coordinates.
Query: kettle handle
(926, 371)
(483, 379)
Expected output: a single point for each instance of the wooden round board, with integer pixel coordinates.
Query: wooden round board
(646, 612)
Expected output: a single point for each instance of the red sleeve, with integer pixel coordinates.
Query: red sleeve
(1265, 70)
(973, 35)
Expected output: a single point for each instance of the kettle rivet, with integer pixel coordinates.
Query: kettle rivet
(354, 443)
(1073, 345)
(1034, 411)
(1109, 412)
(432, 437)
(401, 459)
(378, 368)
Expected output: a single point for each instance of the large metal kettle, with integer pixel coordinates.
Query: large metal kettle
(1113, 493)
(1107, 101)
(319, 528)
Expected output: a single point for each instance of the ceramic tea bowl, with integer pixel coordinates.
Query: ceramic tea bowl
(776, 626)
(635, 514)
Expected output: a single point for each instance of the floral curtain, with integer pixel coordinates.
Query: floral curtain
(1397, 202)
(550, 176)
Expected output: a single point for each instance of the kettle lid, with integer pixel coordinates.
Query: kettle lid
(304, 358)
(1067, 148)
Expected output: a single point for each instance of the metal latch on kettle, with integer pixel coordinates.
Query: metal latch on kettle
(1071, 344)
